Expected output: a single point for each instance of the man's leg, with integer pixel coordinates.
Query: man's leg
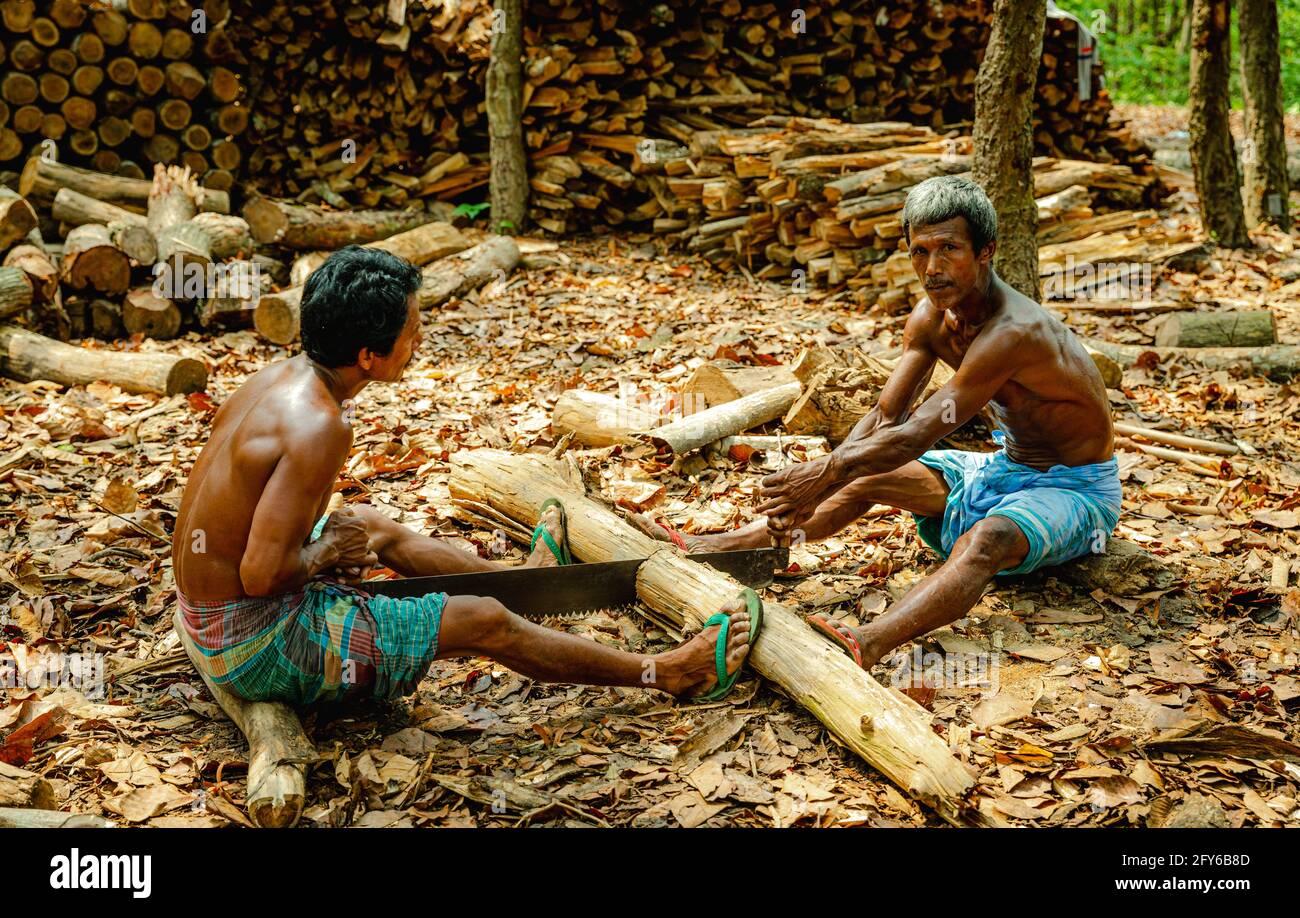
(991, 545)
(413, 555)
(914, 487)
(481, 626)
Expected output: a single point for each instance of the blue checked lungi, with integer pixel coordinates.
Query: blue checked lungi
(1065, 512)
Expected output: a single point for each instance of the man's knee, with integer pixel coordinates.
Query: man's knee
(478, 623)
(993, 544)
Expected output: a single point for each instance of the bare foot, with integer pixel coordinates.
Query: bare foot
(689, 669)
(542, 555)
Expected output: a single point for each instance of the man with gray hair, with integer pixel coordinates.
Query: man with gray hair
(1048, 494)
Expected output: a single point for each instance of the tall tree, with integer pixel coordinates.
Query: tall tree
(1214, 158)
(1267, 183)
(1004, 146)
(503, 99)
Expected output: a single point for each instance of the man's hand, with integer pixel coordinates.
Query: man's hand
(346, 531)
(792, 495)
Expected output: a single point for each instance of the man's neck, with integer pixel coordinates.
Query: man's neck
(343, 383)
(978, 306)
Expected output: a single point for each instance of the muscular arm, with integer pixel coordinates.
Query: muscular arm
(275, 559)
(990, 362)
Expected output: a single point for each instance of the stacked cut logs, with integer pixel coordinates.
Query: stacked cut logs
(117, 87)
(612, 92)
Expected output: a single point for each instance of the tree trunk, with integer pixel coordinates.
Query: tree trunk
(503, 99)
(1214, 159)
(22, 788)
(885, 727)
(15, 818)
(76, 209)
(1268, 188)
(25, 355)
(1004, 145)
(15, 292)
(457, 275)
(1256, 328)
(278, 750)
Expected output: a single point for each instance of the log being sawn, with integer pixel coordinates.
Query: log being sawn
(884, 726)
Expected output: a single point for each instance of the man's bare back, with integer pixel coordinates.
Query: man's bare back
(284, 409)
(1053, 409)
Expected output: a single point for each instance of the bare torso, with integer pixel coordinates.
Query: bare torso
(250, 436)
(1054, 409)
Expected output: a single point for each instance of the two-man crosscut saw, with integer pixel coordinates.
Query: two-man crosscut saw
(538, 592)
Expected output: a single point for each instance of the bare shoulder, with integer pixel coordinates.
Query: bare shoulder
(925, 320)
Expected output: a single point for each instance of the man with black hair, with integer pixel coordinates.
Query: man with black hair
(264, 588)
(1050, 493)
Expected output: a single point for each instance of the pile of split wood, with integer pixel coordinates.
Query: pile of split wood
(607, 86)
(89, 254)
(117, 87)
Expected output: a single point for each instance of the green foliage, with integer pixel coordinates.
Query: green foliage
(1147, 68)
(470, 210)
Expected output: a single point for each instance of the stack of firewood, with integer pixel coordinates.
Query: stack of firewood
(117, 87)
(348, 101)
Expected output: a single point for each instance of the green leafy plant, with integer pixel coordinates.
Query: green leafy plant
(470, 210)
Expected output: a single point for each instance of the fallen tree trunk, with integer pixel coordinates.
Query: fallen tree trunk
(457, 275)
(712, 424)
(74, 208)
(278, 750)
(25, 355)
(889, 730)
(1252, 328)
(596, 419)
(298, 226)
(1280, 362)
(715, 384)
(41, 181)
(276, 317)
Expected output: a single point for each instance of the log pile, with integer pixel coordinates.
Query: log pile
(609, 89)
(117, 87)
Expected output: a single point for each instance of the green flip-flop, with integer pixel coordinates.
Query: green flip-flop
(727, 681)
(561, 550)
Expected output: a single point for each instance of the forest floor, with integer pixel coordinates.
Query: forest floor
(1076, 729)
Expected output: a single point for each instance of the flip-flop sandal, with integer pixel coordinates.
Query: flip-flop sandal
(561, 550)
(674, 535)
(847, 642)
(727, 681)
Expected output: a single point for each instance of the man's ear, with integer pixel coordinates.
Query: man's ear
(986, 254)
(365, 359)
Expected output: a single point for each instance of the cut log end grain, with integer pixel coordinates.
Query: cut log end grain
(145, 313)
(92, 262)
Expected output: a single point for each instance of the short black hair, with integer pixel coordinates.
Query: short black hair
(357, 298)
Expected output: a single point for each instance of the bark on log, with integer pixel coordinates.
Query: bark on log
(889, 730)
(712, 424)
(25, 356)
(145, 313)
(296, 226)
(276, 316)
(1280, 362)
(718, 383)
(457, 275)
(228, 234)
(183, 246)
(76, 209)
(597, 420)
(278, 750)
(40, 182)
(22, 788)
(40, 270)
(16, 818)
(135, 240)
(92, 261)
(15, 292)
(1254, 328)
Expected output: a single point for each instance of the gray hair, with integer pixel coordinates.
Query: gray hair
(946, 197)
